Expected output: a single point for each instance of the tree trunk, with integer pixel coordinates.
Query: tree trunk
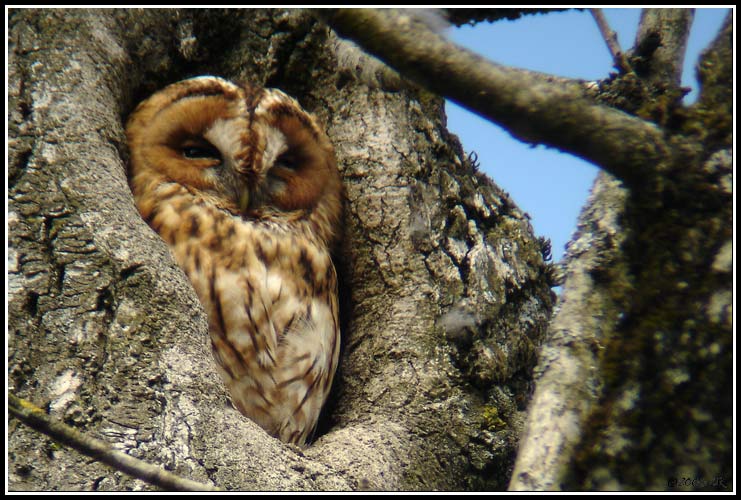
(445, 292)
(634, 385)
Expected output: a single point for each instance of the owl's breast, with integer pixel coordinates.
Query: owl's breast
(259, 283)
(271, 300)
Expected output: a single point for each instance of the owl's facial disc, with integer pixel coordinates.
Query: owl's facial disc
(226, 136)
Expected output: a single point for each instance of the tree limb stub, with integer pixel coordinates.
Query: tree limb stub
(662, 41)
(526, 103)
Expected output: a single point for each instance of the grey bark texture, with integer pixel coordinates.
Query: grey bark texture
(568, 375)
(634, 384)
(445, 292)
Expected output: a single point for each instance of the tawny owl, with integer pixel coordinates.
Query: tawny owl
(242, 184)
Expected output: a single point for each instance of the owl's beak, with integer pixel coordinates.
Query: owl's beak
(244, 200)
(235, 183)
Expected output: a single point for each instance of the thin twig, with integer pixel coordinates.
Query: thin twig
(34, 417)
(611, 39)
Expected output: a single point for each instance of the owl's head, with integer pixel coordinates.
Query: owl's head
(250, 151)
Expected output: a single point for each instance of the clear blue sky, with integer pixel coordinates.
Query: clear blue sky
(551, 186)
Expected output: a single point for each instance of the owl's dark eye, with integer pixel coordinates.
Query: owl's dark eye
(201, 152)
(287, 160)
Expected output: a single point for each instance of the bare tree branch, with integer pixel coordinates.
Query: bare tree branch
(459, 17)
(661, 42)
(526, 103)
(366, 68)
(618, 56)
(34, 417)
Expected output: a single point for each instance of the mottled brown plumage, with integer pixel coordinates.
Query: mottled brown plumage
(243, 186)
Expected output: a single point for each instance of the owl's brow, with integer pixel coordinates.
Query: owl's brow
(285, 109)
(207, 87)
(208, 92)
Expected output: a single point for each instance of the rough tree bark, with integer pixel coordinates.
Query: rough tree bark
(634, 385)
(445, 290)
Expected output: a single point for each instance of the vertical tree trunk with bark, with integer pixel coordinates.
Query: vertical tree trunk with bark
(634, 386)
(445, 291)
